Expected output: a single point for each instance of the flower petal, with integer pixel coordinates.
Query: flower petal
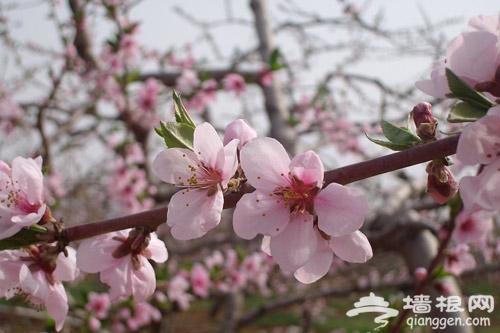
(230, 161)
(57, 305)
(157, 249)
(175, 165)
(481, 191)
(354, 247)
(308, 168)
(265, 163)
(341, 210)
(192, 213)
(258, 213)
(119, 278)
(27, 173)
(143, 281)
(207, 145)
(95, 254)
(479, 142)
(318, 265)
(296, 244)
(66, 266)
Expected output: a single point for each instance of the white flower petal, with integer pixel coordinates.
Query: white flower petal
(296, 244)
(352, 248)
(258, 213)
(192, 213)
(265, 163)
(318, 265)
(341, 210)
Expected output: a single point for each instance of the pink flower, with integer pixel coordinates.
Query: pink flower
(148, 95)
(471, 228)
(200, 280)
(36, 274)
(239, 129)
(187, 82)
(122, 259)
(204, 174)
(303, 223)
(479, 143)
(459, 259)
(21, 195)
(98, 304)
(144, 314)
(177, 292)
(474, 56)
(234, 82)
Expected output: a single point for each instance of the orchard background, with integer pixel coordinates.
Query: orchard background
(85, 83)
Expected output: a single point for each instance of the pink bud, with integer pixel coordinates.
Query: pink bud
(420, 273)
(441, 185)
(424, 121)
(239, 129)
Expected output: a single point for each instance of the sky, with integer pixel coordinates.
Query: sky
(163, 27)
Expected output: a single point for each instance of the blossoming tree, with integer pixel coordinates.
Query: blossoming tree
(248, 200)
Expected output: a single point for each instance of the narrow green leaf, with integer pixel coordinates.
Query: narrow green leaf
(465, 112)
(177, 135)
(181, 114)
(398, 135)
(461, 90)
(391, 145)
(24, 237)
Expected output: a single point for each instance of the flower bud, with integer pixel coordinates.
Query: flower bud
(420, 273)
(239, 129)
(424, 121)
(441, 185)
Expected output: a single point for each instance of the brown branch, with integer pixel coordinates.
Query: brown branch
(343, 175)
(276, 109)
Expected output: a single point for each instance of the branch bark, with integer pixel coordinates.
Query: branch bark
(276, 109)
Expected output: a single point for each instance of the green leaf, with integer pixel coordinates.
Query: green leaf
(23, 238)
(391, 145)
(177, 135)
(398, 135)
(465, 112)
(274, 60)
(181, 114)
(461, 90)
(455, 205)
(439, 273)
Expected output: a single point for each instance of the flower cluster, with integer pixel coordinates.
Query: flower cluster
(221, 272)
(480, 144)
(122, 259)
(303, 221)
(36, 274)
(21, 195)
(303, 224)
(473, 56)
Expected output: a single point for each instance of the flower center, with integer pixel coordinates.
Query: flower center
(298, 197)
(16, 198)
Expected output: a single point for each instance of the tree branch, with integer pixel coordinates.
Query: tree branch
(344, 175)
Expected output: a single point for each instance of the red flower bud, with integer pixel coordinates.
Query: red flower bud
(424, 121)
